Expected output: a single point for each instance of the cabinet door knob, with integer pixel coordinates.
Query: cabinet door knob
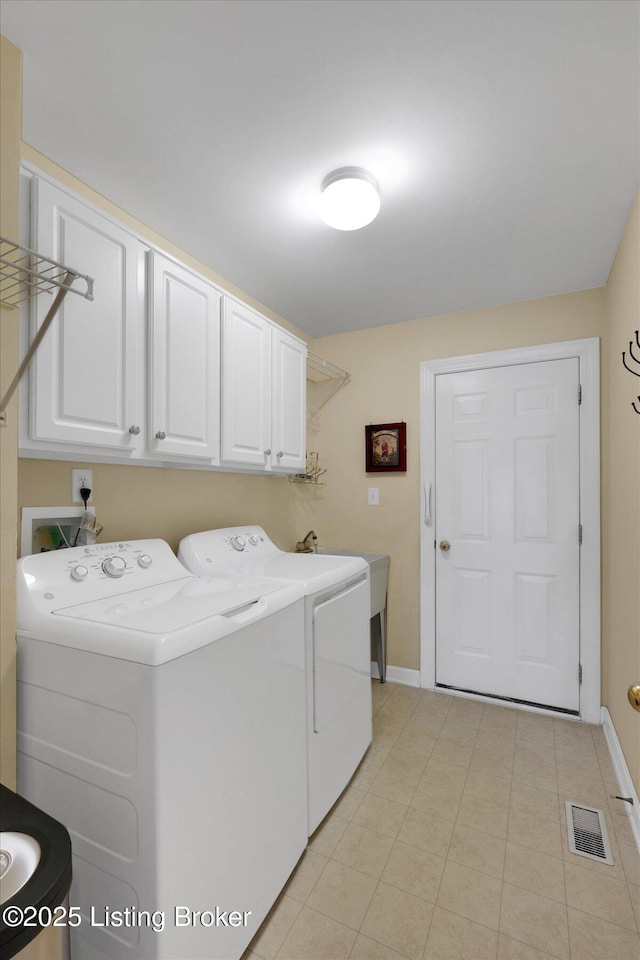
(267, 453)
(280, 453)
(160, 435)
(135, 429)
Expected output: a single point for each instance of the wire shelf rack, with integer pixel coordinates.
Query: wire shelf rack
(25, 273)
(312, 472)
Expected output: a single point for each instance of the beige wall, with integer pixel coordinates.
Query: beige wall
(384, 363)
(621, 436)
(137, 502)
(10, 132)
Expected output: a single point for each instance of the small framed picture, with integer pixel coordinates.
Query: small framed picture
(386, 447)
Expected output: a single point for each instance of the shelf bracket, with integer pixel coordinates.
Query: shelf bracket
(325, 379)
(23, 275)
(35, 343)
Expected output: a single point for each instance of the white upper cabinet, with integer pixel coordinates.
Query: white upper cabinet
(161, 365)
(263, 392)
(246, 386)
(87, 380)
(184, 362)
(289, 392)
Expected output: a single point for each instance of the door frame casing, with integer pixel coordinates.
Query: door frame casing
(588, 354)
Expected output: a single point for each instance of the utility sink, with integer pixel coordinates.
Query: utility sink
(378, 570)
(379, 576)
(19, 858)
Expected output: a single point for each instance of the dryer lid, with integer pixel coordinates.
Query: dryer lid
(313, 571)
(248, 552)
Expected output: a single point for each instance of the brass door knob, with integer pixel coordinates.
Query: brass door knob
(445, 545)
(634, 696)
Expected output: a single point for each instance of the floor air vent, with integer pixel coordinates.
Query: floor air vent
(588, 833)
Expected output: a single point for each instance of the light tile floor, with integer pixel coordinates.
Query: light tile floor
(450, 842)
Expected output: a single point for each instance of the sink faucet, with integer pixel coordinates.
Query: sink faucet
(302, 546)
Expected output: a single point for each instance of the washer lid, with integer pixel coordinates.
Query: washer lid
(165, 608)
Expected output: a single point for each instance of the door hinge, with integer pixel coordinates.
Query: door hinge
(580, 533)
(579, 673)
(579, 393)
(434, 544)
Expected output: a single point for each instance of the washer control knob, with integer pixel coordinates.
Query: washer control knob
(253, 540)
(144, 561)
(238, 543)
(79, 572)
(114, 566)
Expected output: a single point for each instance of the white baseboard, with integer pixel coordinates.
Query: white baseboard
(410, 678)
(627, 788)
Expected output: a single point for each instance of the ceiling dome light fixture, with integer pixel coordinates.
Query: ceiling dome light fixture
(349, 198)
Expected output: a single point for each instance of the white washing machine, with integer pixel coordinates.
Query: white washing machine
(161, 720)
(337, 646)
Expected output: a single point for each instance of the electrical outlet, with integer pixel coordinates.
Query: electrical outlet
(81, 478)
(373, 499)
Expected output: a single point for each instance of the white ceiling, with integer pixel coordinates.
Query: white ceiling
(504, 136)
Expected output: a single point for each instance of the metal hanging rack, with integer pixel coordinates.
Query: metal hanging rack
(325, 380)
(312, 472)
(23, 275)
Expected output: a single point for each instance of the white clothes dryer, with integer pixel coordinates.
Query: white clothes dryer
(336, 641)
(161, 720)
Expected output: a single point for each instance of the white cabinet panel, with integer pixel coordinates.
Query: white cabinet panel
(87, 379)
(184, 362)
(263, 392)
(289, 401)
(246, 385)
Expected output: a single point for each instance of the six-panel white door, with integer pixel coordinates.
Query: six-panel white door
(86, 383)
(184, 362)
(507, 496)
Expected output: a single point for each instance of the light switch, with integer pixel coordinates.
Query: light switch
(374, 496)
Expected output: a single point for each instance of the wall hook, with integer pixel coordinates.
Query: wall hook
(635, 360)
(626, 365)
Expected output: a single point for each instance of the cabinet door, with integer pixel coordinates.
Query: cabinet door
(184, 362)
(289, 401)
(246, 386)
(86, 380)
